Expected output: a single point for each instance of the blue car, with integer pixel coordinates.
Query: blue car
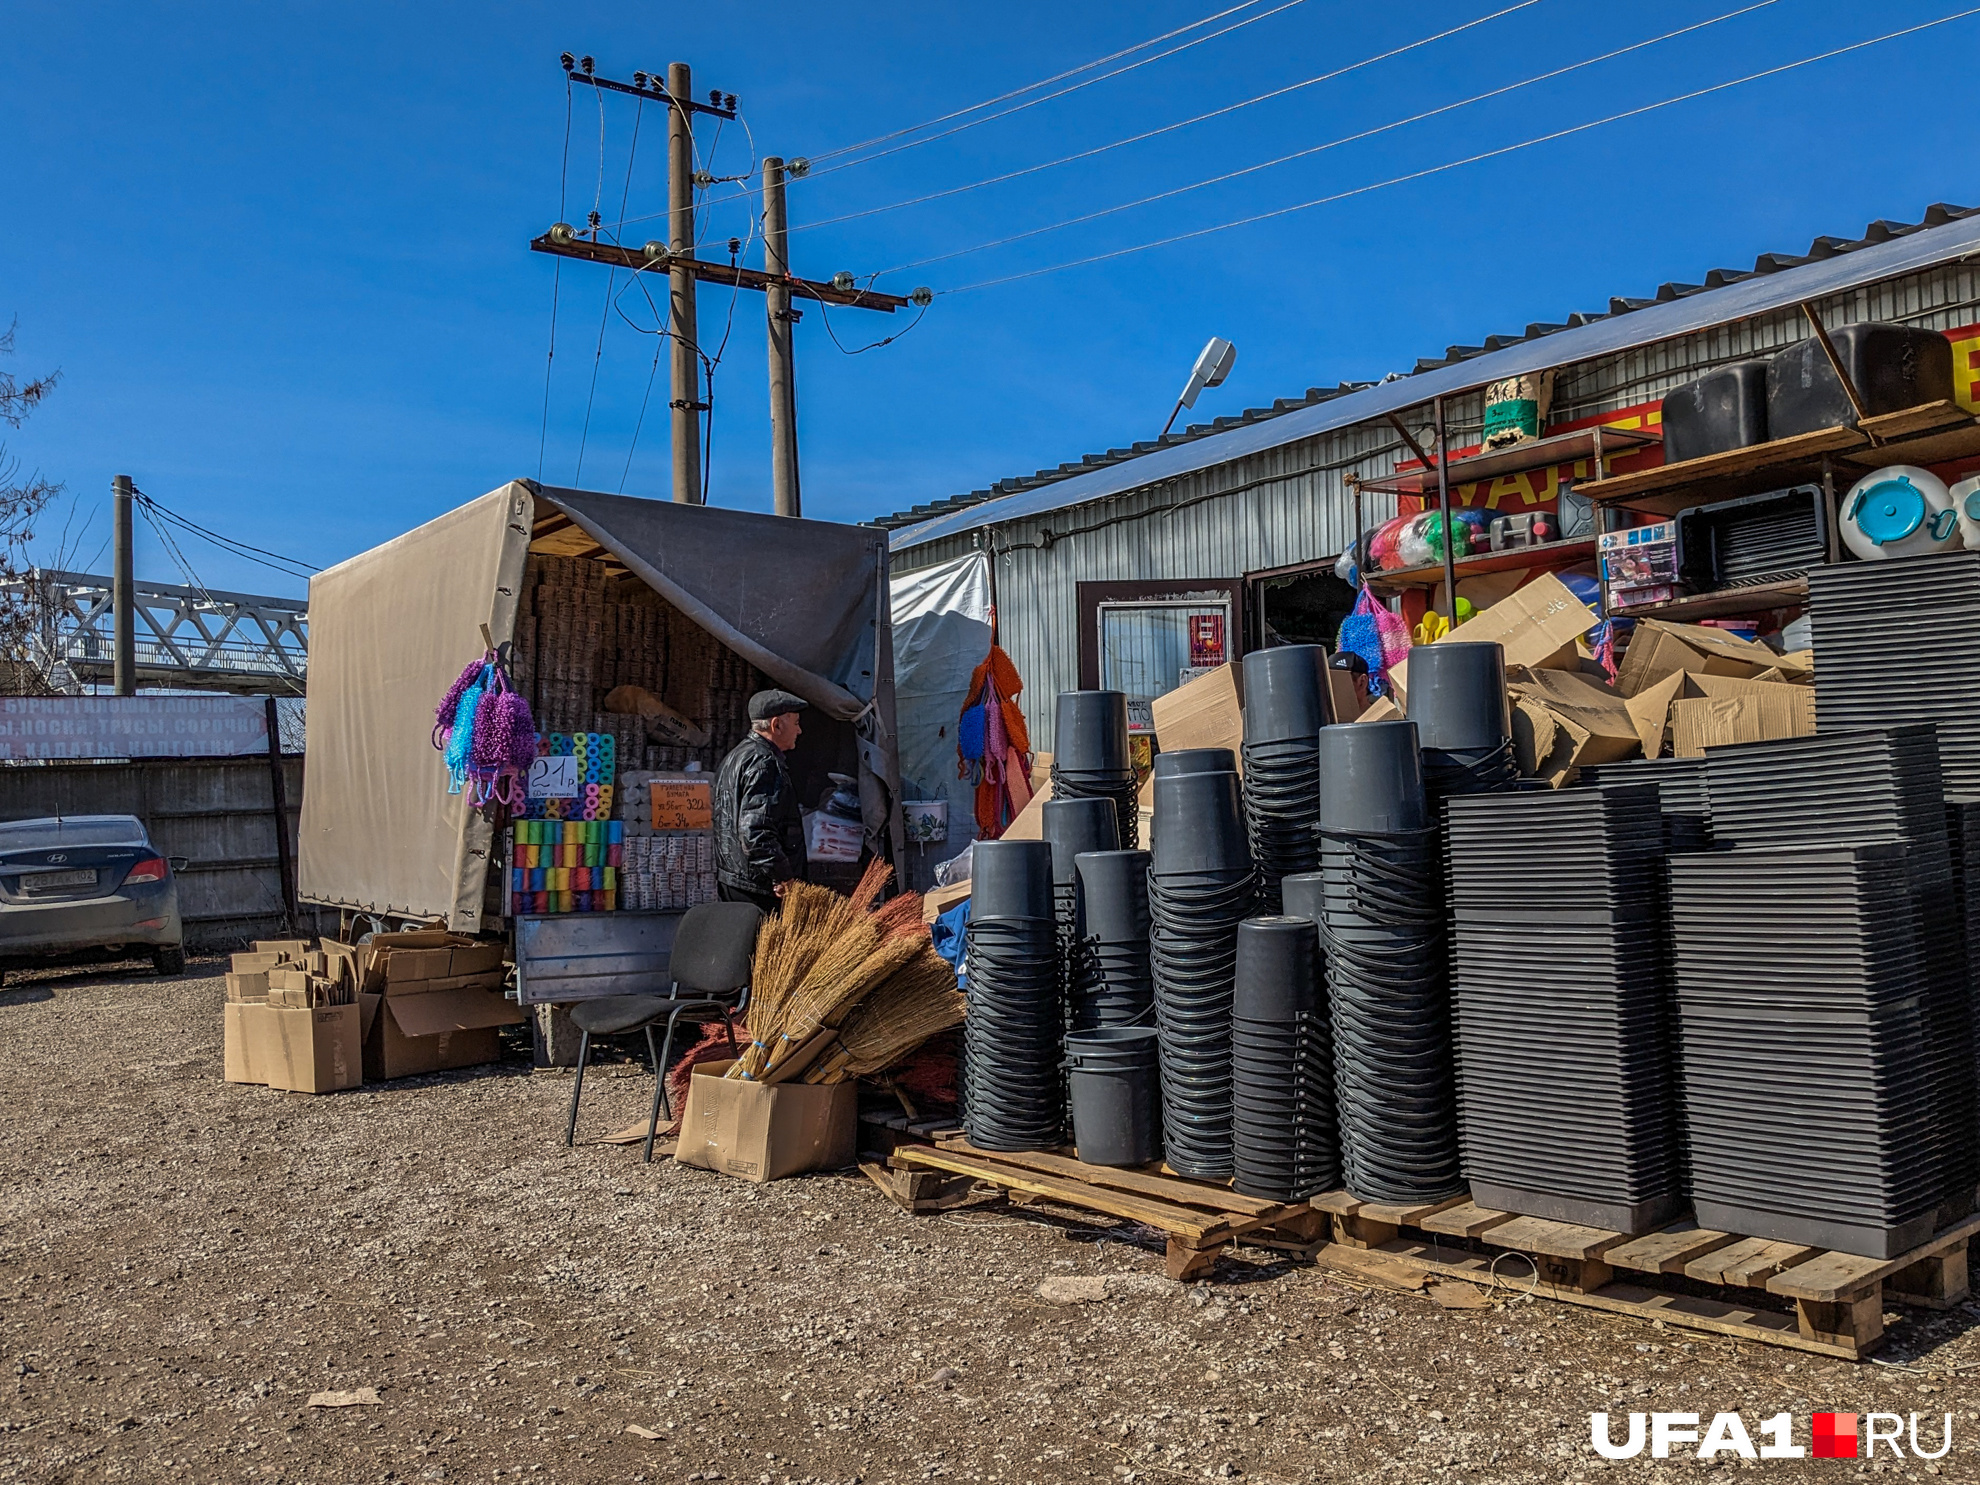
(87, 886)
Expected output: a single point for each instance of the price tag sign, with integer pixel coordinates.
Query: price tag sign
(682, 805)
(554, 778)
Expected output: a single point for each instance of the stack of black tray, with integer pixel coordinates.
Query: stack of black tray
(1566, 1087)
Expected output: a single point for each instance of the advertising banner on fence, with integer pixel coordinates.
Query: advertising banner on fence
(132, 726)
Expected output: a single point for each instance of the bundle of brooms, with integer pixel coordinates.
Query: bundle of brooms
(853, 986)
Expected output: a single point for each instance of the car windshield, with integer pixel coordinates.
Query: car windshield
(76, 830)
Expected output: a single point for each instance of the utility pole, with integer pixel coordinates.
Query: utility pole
(783, 371)
(123, 597)
(675, 256)
(686, 360)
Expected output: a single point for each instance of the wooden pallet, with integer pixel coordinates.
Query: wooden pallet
(1838, 1298)
(1198, 1218)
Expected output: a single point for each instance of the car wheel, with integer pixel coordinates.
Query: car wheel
(170, 960)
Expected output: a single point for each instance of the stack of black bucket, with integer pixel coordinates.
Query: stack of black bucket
(1457, 699)
(1382, 926)
(1111, 983)
(1287, 1145)
(1201, 885)
(1090, 758)
(1073, 826)
(1285, 706)
(1013, 1091)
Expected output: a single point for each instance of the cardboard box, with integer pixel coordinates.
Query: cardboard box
(1030, 821)
(244, 987)
(1659, 649)
(938, 900)
(1762, 712)
(1536, 625)
(477, 959)
(341, 962)
(436, 1030)
(251, 964)
(1206, 713)
(1781, 705)
(1381, 709)
(301, 1050)
(291, 950)
(761, 1132)
(1590, 723)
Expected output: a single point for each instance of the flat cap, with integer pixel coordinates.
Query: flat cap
(767, 704)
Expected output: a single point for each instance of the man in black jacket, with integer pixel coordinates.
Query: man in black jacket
(759, 826)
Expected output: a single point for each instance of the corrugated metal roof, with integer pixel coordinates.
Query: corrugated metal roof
(1831, 264)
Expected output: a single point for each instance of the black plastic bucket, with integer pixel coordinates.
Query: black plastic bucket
(1304, 896)
(1371, 776)
(1073, 826)
(1457, 696)
(1195, 760)
(1114, 1083)
(1090, 733)
(1114, 885)
(1285, 693)
(1010, 879)
(1199, 824)
(1278, 962)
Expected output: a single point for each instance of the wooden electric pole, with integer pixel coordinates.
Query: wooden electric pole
(783, 371)
(686, 360)
(676, 258)
(123, 589)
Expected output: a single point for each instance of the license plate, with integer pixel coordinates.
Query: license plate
(48, 881)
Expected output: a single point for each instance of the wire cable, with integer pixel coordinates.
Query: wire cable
(1029, 103)
(556, 285)
(1491, 154)
(1415, 118)
(847, 149)
(294, 566)
(611, 277)
(1214, 113)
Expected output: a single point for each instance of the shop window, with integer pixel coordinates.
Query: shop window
(1146, 639)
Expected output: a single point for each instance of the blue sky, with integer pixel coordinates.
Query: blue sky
(279, 252)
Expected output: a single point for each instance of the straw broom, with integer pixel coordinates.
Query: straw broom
(837, 987)
(815, 934)
(910, 1006)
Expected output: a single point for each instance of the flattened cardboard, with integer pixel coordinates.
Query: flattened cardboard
(1659, 649)
(763, 1132)
(290, 949)
(476, 959)
(1602, 717)
(1536, 625)
(242, 987)
(1650, 710)
(1030, 821)
(1544, 744)
(938, 900)
(240, 1043)
(252, 964)
(1653, 709)
(451, 1010)
(1206, 713)
(1381, 709)
(1753, 715)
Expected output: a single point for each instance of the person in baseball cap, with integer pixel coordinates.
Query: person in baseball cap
(759, 826)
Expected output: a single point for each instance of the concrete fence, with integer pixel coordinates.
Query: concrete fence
(218, 813)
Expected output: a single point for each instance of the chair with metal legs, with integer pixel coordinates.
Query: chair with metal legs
(710, 965)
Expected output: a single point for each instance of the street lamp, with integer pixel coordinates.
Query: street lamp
(1218, 357)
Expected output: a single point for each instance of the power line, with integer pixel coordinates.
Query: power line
(1020, 107)
(1467, 160)
(289, 566)
(556, 285)
(1215, 113)
(1415, 118)
(846, 149)
(605, 314)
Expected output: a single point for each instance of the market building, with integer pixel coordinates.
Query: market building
(1132, 568)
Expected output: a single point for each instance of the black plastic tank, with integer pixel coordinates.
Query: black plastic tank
(1892, 367)
(1726, 408)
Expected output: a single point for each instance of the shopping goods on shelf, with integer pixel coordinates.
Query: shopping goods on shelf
(573, 777)
(565, 866)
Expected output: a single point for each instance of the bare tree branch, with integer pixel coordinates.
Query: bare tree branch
(22, 500)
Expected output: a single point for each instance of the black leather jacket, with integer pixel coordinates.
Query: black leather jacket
(759, 826)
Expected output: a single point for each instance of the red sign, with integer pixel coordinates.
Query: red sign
(1206, 640)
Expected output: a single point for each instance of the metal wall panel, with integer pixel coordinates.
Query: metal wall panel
(217, 812)
(1291, 504)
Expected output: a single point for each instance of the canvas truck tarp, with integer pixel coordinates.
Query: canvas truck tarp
(941, 634)
(805, 602)
(389, 631)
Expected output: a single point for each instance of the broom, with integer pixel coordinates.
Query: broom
(914, 1003)
(844, 975)
(820, 936)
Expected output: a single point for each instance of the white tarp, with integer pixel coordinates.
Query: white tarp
(941, 634)
(133, 726)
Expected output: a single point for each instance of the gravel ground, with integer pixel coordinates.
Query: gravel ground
(184, 1263)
